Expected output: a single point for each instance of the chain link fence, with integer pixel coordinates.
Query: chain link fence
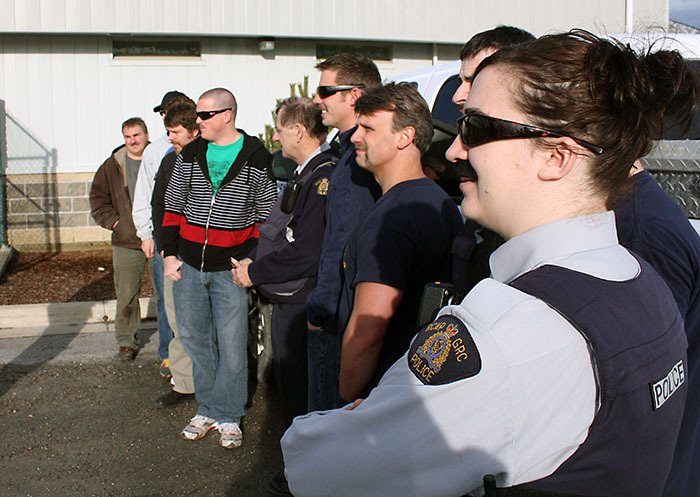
(3, 168)
(30, 206)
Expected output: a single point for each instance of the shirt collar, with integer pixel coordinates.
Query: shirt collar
(551, 242)
(324, 146)
(344, 140)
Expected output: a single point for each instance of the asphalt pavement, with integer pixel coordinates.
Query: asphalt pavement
(76, 422)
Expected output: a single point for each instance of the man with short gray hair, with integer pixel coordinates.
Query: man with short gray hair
(285, 263)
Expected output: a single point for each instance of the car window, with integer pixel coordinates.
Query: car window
(444, 109)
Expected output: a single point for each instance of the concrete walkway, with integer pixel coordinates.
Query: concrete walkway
(69, 332)
(29, 320)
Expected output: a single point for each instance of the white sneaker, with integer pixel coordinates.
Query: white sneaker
(198, 427)
(231, 435)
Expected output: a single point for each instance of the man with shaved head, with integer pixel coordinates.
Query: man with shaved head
(219, 193)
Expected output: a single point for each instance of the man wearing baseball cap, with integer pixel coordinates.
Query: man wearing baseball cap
(141, 212)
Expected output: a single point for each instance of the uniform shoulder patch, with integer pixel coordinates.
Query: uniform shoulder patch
(321, 187)
(443, 352)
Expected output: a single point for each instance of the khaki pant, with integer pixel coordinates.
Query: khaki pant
(180, 362)
(128, 269)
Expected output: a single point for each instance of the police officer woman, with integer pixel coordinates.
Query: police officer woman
(563, 373)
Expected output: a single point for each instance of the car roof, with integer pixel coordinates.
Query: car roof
(430, 79)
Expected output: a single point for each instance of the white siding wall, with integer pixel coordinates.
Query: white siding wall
(443, 21)
(59, 80)
(70, 94)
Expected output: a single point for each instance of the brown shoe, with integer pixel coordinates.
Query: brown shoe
(126, 354)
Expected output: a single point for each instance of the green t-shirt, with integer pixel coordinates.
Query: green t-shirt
(220, 158)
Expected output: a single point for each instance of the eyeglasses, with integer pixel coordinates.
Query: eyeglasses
(327, 91)
(477, 129)
(208, 114)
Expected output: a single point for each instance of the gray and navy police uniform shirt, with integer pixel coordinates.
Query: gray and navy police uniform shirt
(286, 258)
(516, 395)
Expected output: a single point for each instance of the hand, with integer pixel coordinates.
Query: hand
(171, 269)
(240, 274)
(312, 327)
(354, 404)
(148, 248)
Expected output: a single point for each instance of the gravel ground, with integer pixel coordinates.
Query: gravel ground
(91, 429)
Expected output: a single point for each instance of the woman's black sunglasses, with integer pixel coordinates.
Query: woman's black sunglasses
(327, 91)
(477, 129)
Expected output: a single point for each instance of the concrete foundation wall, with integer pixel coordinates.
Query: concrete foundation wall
(51, 212)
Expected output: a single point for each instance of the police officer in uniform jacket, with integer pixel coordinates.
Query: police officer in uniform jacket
(565, 372)
(285, 263)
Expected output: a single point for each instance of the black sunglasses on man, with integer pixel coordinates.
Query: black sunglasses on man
(327, 91)
(208, 114)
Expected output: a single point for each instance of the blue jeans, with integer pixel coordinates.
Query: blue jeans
(165, 332)
(212, 321)
(323, 350)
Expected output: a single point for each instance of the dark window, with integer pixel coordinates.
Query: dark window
(155, 48)
(374, 52)
(444, 109)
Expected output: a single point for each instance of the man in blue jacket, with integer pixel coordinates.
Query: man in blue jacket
(351, 193)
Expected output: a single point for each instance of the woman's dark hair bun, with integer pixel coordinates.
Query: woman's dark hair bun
(675, 85)
(649, 91)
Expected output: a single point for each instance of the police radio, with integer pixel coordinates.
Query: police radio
(289, 196)
(436, 296)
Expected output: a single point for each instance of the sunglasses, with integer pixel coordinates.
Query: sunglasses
(477, 129)
(327, 91)
(208, 114)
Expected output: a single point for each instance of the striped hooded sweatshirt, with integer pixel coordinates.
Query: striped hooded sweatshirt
(206, 227)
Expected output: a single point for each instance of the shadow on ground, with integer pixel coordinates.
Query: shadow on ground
(93, 430)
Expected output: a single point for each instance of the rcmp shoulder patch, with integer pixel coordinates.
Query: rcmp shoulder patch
(443, 352)
(321, 187)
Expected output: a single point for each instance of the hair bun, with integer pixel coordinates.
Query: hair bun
(651, 92)
(675, 85)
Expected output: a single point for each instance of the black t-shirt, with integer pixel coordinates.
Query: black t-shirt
(404, 242)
